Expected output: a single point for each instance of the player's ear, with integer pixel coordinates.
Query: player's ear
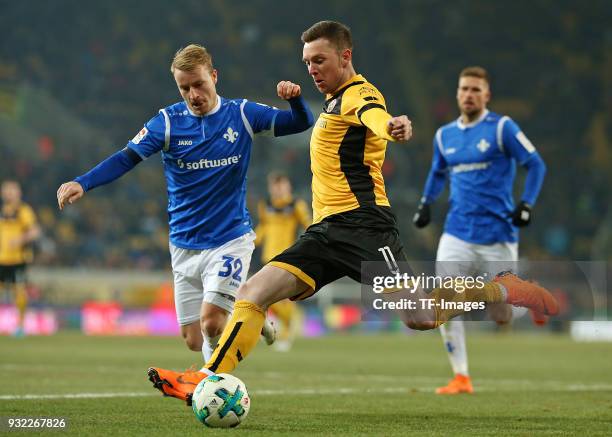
(346, 55)
(213, 74)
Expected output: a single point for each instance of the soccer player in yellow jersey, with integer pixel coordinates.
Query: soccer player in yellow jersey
(352, 223)
(18, 228)
(280, 216)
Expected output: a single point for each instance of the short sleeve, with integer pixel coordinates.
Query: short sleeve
(514, 141)
(360, 99)
(151, 138)
(258, 117)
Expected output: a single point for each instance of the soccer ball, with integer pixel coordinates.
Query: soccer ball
(221, 401)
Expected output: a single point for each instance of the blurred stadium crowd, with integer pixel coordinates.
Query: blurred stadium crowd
(77, 82)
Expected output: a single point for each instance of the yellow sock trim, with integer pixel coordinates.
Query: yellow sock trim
(238, 338)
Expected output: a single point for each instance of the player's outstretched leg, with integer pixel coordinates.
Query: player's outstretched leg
(271, 284)
(447, 302)
(239, 336)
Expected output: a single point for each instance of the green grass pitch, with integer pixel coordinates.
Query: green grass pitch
(526, 384)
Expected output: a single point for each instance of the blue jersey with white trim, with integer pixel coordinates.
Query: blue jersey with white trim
(480, 161)
(205, 163)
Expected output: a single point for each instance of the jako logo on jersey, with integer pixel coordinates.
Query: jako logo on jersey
(185, 143)
(208, 163)
(230, 135)
(483, 145)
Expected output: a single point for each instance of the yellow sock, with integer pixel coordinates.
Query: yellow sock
(284, 311)
(238, 338)
(21, 302)
(453, 303)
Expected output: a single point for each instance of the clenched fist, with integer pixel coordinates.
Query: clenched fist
(400, 128)
(287, 90)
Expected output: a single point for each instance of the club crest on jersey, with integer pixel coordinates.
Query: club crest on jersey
(231, 135)
(483, 145)
(140, 135)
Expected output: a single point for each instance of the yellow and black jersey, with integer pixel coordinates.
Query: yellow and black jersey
(278, 224)
(14, 222)
(347, 150)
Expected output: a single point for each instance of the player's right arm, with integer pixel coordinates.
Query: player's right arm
(149, 140)
(436, 179)
(263, 118)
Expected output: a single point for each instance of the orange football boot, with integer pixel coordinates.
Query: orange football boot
(176, 384)
(459, 384)
(528, 294)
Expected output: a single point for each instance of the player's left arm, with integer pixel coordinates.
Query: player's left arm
(281, 122)
(517, 145)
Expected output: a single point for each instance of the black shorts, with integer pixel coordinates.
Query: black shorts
(13, 274)
(331, 250)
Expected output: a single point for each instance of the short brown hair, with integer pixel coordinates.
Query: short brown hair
(475, 71)
(336, 33)
(188, 58)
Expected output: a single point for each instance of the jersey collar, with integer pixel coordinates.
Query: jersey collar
(211, 112)
(462, 126)
(357, 78)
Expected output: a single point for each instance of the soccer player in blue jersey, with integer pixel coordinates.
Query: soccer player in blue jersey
(478, 153)
(205, 143)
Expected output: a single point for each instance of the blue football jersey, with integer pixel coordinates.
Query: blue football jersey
(480, 160)
(205, 162)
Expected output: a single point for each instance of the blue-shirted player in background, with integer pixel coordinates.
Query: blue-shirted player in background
(205, 144)
(478, 153)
